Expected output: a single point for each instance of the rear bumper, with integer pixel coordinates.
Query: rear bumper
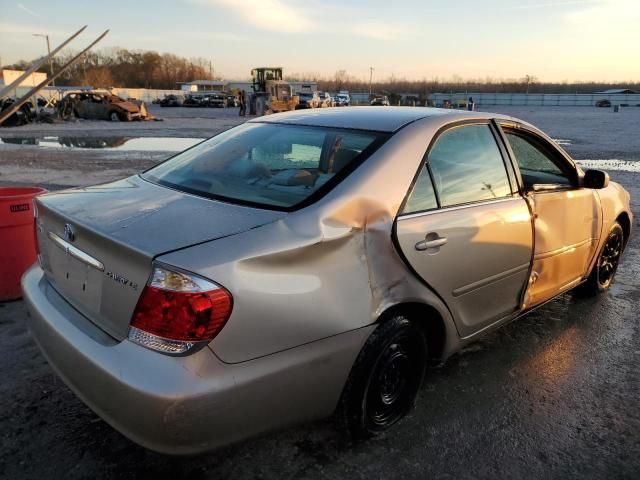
(184, 405)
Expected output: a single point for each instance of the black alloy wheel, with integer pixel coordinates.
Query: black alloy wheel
(604, 270)
(609, 258)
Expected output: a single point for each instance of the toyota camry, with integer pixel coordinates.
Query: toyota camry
(309, 264)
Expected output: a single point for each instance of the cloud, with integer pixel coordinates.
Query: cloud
(285, 16)
(600, 40)
(565, 3)
(377, 30)
(273, 15)
(221, 36)
(29, 11)
(613, 13)
(616, 22)
(11, 27)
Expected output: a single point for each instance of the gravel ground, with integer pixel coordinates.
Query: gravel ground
(553, 395)
(593, 133)
(174, 122)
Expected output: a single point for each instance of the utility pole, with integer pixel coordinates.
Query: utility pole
(53, 83)
(370, 79)
(210, 70)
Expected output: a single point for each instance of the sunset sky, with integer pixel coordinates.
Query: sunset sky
(554, 40)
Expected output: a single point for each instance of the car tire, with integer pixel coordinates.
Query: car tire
(604, 270)
(385, 379)
(114, 116)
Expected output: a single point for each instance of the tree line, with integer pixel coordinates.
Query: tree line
(119, 67)
(341, 80)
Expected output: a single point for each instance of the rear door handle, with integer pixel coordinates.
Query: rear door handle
(430, 242)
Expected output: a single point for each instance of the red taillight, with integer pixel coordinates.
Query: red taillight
(179, 310)
(191, 317)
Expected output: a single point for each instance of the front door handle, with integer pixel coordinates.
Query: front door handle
(431, 241)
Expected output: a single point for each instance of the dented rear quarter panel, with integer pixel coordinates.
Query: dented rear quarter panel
(323, 270)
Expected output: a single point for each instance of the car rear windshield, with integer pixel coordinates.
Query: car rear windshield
(276, 166)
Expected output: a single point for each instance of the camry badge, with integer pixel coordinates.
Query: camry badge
(68, 232)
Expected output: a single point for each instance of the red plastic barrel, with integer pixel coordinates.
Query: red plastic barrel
(17, 240)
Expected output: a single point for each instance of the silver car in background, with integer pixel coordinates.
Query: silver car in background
(308, 263)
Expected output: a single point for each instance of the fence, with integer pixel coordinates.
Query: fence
(437, 99)
(536, 99)
(515, 99)
(144, 94)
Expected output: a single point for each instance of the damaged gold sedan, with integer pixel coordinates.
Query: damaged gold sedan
(309, 263)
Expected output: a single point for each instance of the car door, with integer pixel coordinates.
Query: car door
(568, 218)
(93, 107)
(465, 229)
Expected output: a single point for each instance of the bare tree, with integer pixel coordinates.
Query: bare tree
(528, 80)
(98, 77)
(119, 67)
(340, 78)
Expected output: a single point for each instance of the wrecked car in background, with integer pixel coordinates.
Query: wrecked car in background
(209, 99)
(308, 100)
(309, 262)
(326, 100)
(380, 100)
(101, 105)
(171, 101)
(25, 114)
(215, 99)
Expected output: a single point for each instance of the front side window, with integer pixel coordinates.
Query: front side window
(271, 165)
(536, 166)
(467, 166)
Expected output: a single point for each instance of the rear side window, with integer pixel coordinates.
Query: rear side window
(422, 197)
(467, 166)
(271, 165)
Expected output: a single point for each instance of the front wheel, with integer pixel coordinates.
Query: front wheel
(385, 379)
(114, 116)
(606, 265)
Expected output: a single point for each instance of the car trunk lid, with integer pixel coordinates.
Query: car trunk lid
(97, 244)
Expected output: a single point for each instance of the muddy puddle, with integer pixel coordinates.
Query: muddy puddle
(145, 144)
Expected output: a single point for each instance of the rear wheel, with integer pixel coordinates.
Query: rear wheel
(385, 379)
(604, 270)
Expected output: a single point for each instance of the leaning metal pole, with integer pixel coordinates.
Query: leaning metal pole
(38, 63)
(16, 106)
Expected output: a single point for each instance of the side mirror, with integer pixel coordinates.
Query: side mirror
(595, 179)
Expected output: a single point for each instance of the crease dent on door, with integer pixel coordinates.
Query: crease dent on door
(483, 268)
(567, 227)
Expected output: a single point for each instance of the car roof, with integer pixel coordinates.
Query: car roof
(381, 119)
